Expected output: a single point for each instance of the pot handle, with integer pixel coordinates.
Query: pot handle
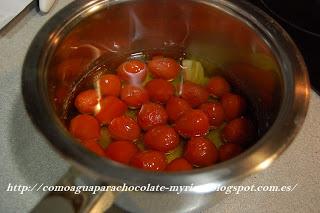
(69, 202)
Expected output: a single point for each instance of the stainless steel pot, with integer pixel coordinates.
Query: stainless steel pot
(275, 82)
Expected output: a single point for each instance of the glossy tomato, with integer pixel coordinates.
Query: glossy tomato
(201, 152)
(165, 68)
(218, 86)
(110, 108)
(94, 147)
(151, 115)
(160, 90)
(109, 85)
(178, 164)
(192, 123)
(121, 151)
(133, 71)
(233, 105)
(86, 102)
(228, 151)
(238, 131)
(124, 128)
(194, 94)
(149, 160)
(214, 112)
(176, 107)
(161, 138)
(85, 127)
(134, 96)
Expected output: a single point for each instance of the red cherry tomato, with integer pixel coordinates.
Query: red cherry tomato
(110, 108)
(214, 112)
(151, 115)
(238, 131)
(228, 151)
(179, 164)
(149, 160)
(86, 102)
(233, 105)
(160, 90)
(124, 128)
(134, 96)
(176, 107)
(218, 86)
(194, 94)
(110, 85)
(192, 123)
(85, 127)
(201, 152)
(133, 71)
(121, 151)
(94, 147)
(165, 68)
(161, 138)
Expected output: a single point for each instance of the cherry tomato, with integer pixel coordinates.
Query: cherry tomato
(218, 86)
(124, 128)
(94, 147)
(214, 112)
(160, 90)
(238, 131)
(192, 123)
(134, 96)
(194, 94)
(110, 108)
(233, 105)
(201, 152)
(179, 164)
(133, 71)
(176, 107)
(109, 84)
(165, 68)
(86, 102)
(150, 115)
(228, 151)
(149, 160)
(121, 151)
(161, 138)
(85, 127)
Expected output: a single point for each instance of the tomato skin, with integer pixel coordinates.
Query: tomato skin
(149, 160)
(179, 164)
(84, 127)
(121, 151)
(228, 151)
(134, 96)
(176, 107)
(86, 101)
(160, 90)
(239, 131)
(132, 71)
(94, 147)
(233, 105)
(194, 94)
(151, 115)
(165, 68)
(161, 138)
(124, 128)
(110, 108)
(109, 85)
(201, 152)
(218, 86)
(193, 123)
(214, 112)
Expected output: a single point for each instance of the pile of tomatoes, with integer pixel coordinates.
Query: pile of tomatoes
(168, 115)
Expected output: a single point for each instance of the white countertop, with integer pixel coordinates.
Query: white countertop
(27, 159)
